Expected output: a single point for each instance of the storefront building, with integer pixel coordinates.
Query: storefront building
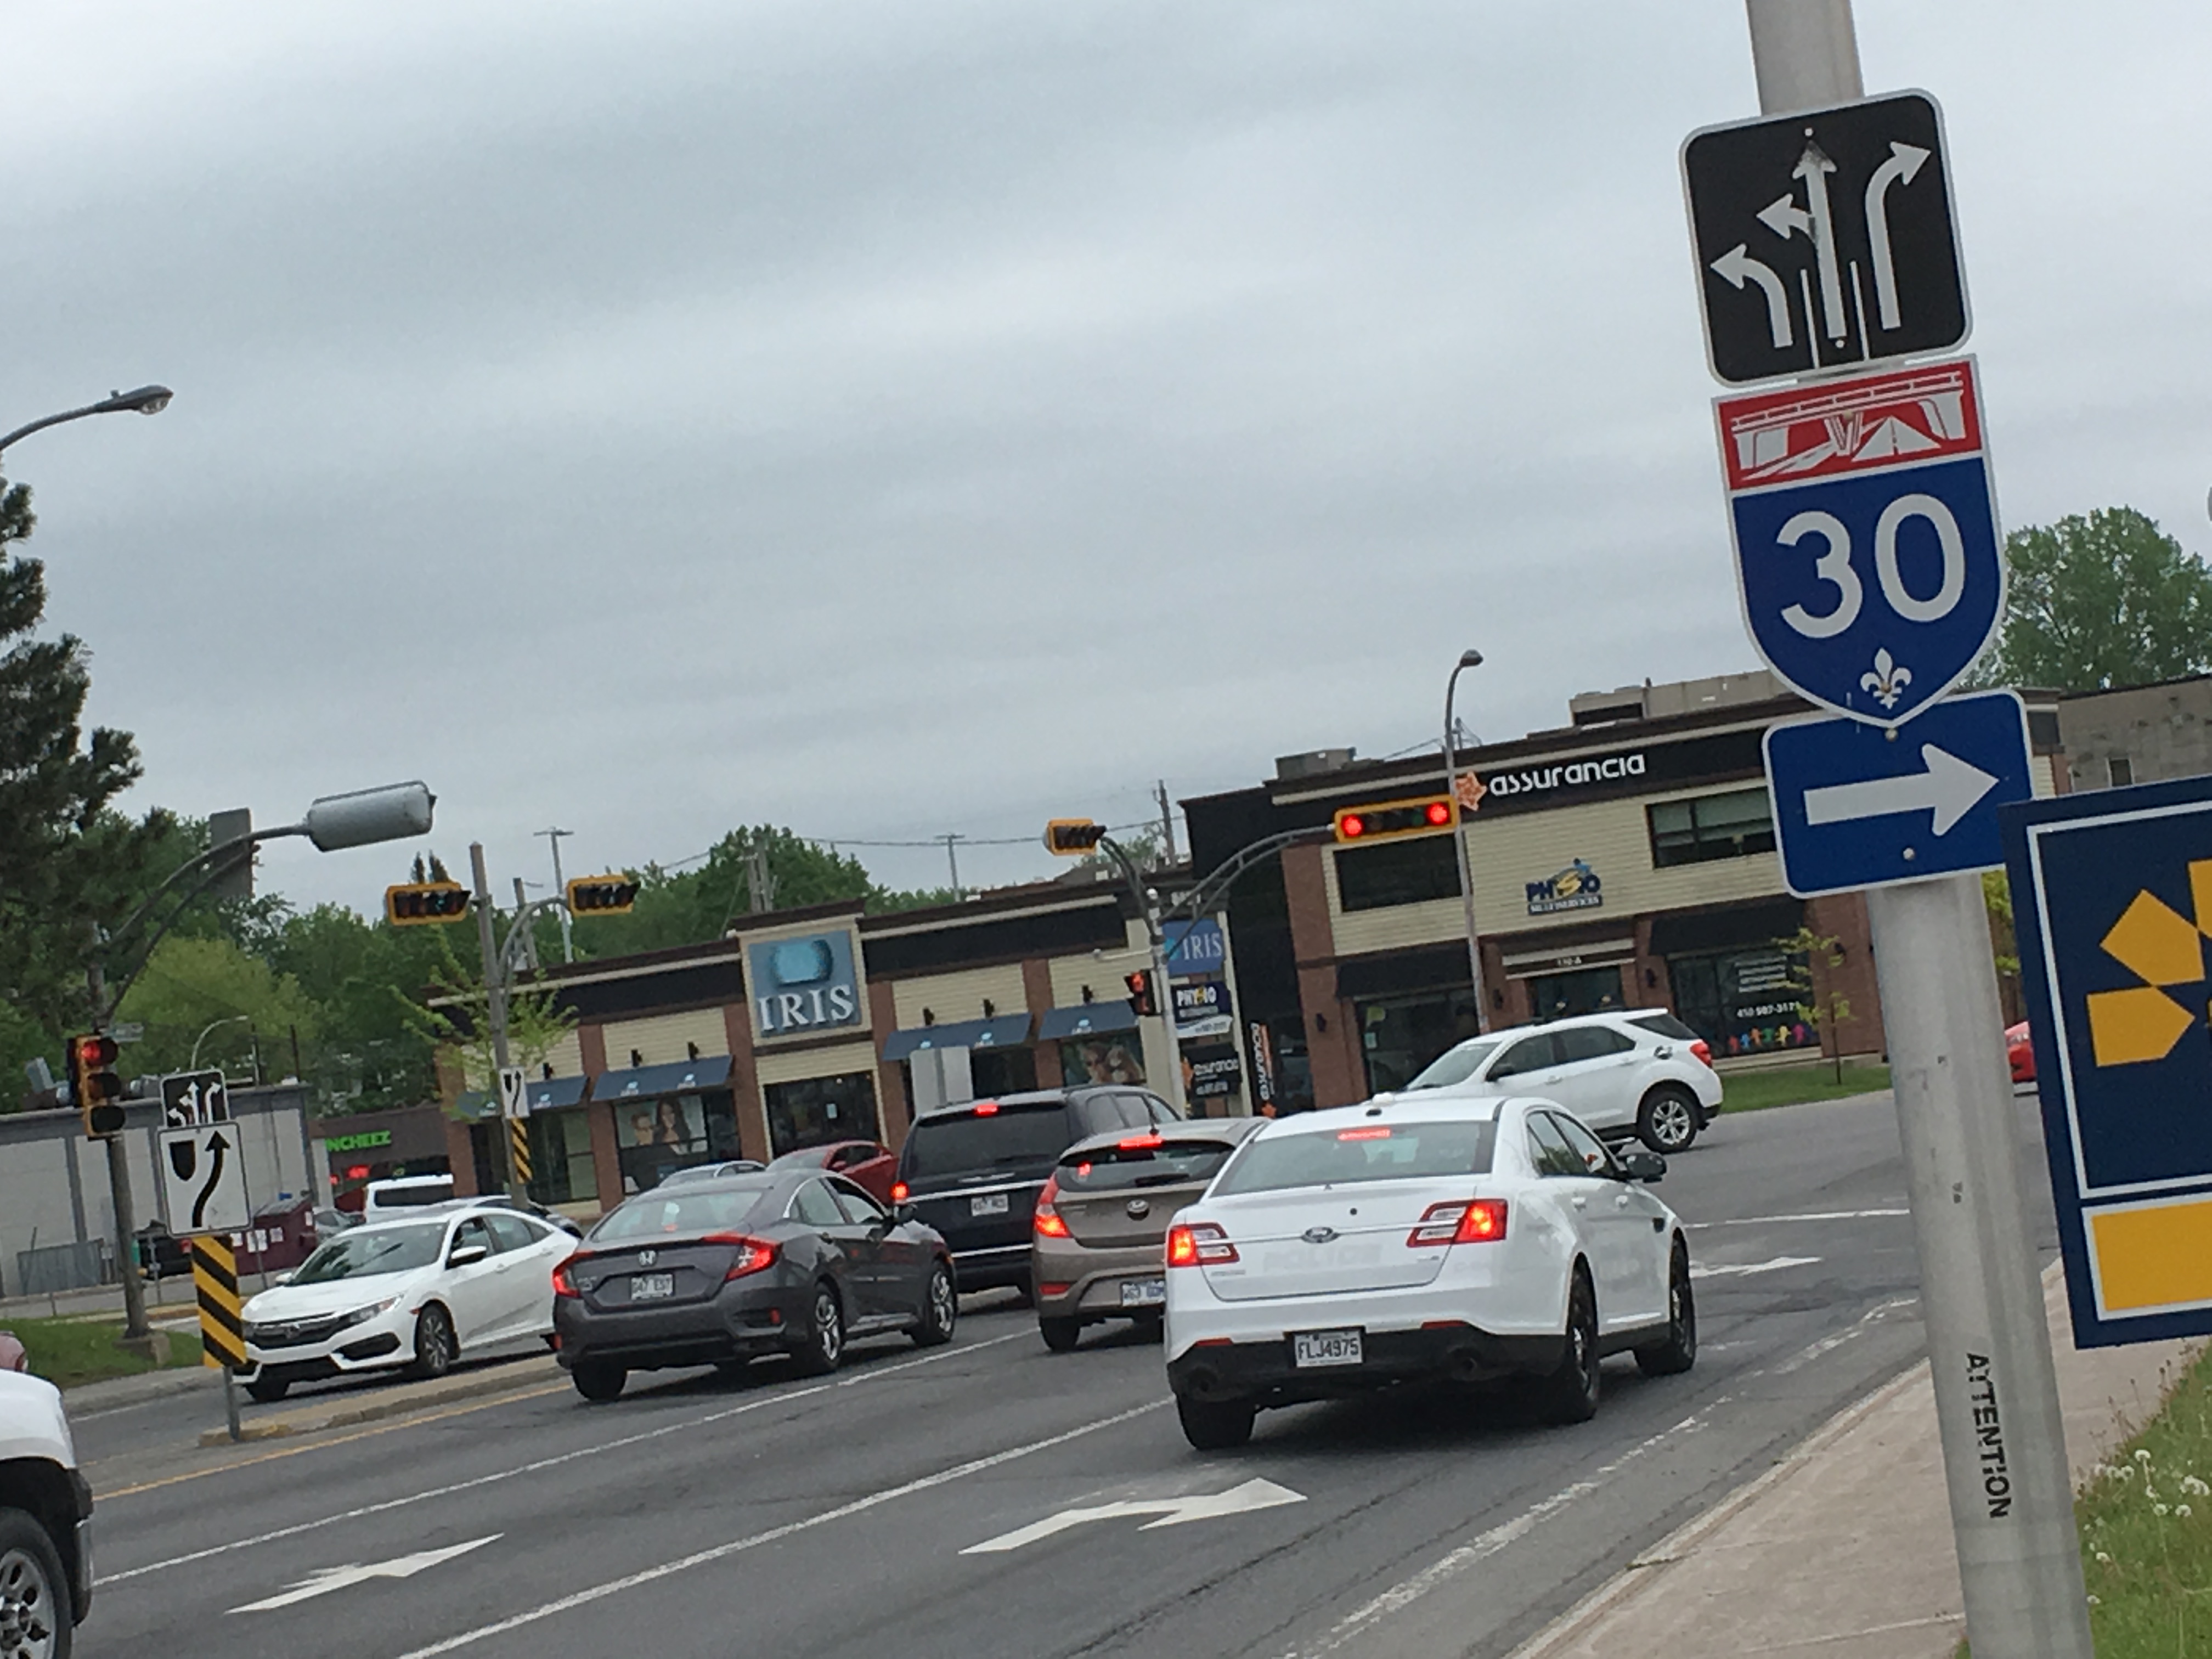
(1626, 860)
(822, 1025)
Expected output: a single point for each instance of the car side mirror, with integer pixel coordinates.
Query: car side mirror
(284, 1277)
(1638, 1164)
(465, 1256)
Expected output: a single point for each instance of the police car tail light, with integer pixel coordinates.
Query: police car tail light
(1046, 1219)
(563, 1285)
(1470, 1221)
(754, 1255)
(1704, 1051)
(1199, 1245)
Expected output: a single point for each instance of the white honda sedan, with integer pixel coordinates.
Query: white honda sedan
(1346, 1251)
(414, 1293)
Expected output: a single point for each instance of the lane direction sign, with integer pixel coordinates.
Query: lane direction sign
(1166, 1512)
(203, 1179)
(1824, 239)
(1858, 807)
(1869, 561)
(513, 1092)
(2112, 904)
(191, 1097)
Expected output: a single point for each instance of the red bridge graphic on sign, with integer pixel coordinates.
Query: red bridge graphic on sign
(1855, 425)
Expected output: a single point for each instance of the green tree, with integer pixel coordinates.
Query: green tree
(1822, 1013)
(2104, 600)
(190, 984)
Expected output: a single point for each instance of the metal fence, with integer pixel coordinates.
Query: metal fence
(53, 1268)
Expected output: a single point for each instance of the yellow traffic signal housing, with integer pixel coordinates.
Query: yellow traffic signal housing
(1424, 816)
(1071, 838)
(602, 896)
(94, 1083)
(415, 904)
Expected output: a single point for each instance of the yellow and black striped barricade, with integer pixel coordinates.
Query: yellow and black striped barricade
(222, 1325)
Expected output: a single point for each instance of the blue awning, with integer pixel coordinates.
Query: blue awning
(1004, 1031)
(549, 1094)
(1087, 1019)
(707, 1071)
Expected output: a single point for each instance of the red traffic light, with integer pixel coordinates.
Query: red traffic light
(97, 1051)
(1439, 813)
(1351, 827)
(1422, 815)
(1141, 991)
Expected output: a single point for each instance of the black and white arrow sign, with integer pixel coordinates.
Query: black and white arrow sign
(1945, 785)
(203, 1179)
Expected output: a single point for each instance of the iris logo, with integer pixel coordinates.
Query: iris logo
(803, 984)
(2162, 948)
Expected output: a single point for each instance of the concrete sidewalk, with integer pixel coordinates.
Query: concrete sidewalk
(1844, 1549)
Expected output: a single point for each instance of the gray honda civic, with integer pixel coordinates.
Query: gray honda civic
(790, 1262)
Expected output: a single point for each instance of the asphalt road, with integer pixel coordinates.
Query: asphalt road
(704, 1516)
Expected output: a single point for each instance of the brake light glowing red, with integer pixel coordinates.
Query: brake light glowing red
(898, 1192)
(754, 1255)
(987, 1108)
(1138, 1143)
(563, 1285)
(1471, 1221)
(1046, 1219)
(1199, 1245)
(1378, 1132)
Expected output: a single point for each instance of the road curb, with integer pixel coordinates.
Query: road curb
(507, 1379)
(113, 1393)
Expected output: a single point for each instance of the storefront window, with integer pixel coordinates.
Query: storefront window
(653, 1137)
(1294, 1085)
(1399, 1036)
(1585, 991)
(1729, 826)
(1001, 1070)
(561, 1167)
(1742, 1002)
(815, 1110)
(1118, 1059)
(1397, 872)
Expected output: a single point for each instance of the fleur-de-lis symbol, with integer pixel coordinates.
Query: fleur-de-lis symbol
(1888, 681)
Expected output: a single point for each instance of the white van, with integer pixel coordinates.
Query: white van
(383, 1199)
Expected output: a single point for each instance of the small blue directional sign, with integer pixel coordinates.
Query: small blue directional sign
(1858, 805)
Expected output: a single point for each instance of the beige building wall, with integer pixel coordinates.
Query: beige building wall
(663, 1038)
(788, 1066)
(1102, 971)
(953, 997)
(565, 1057)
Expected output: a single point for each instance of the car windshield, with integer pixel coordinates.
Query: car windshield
(1365, 1152)
(1453, 1066)
(1141, 1161)
(1665, 1025)
(960, 1143)
(372, 1250)
(703, 1210)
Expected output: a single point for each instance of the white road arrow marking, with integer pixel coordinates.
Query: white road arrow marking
(1903, 164)
(1773, 1266)
(1170, 1511)
(1737, 266)
(1813, 167)
(324, 1580)
(1949, 786)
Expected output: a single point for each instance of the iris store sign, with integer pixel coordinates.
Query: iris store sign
(801, 985)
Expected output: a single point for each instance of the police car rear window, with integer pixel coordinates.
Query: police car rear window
(1144, 1161)
(1361, 1151)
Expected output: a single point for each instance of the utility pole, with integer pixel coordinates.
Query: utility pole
(952, 858)
(1167, 824)
(529, 934)
(1469, 658)
(561, 888)
(494, 977)
(1989, 1342)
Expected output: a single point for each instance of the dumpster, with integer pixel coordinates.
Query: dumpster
(282, 1234)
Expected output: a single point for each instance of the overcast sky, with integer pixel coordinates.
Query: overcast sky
(903, 418)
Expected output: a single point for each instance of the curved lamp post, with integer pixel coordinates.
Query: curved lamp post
(1469, 658)
(193, 1064)
(145, 400)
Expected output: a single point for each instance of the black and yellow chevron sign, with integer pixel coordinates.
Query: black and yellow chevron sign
(215, 1282)
(517, 1140)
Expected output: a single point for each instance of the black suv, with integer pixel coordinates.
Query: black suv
(973, 1172)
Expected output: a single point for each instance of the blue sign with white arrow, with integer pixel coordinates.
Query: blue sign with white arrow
(1858, 805)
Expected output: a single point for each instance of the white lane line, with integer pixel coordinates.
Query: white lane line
(1355, 1625)
(1820, 1215)
(1835, 1340)
(1747, 1269)
(539, 1465)
(773, 1534)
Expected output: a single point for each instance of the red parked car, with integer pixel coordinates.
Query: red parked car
(867, 1163)
(2020, 1049)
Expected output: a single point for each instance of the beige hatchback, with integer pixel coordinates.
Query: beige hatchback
(1098, 1243)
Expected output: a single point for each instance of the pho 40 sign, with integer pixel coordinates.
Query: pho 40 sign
(1868, 558)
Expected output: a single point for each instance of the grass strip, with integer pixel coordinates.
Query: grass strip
(2146, 1524)
(68, 1352)
(1796, 1085)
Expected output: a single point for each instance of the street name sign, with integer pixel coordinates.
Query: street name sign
(203, 1180)
(1824, 239)
(2111, 904)
(1869, 564)
(191, 1097)
(1856, 806)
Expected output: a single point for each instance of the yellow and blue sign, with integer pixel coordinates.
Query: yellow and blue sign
(2112, 907)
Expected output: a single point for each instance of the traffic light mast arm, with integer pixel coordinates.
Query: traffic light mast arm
(210, 868)
(1203, 898)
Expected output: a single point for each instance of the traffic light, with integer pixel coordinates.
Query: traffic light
(1392, 819)
(413, 903)
(93, 1084)
(602, 896)
(1070, 838)
(1140, 991)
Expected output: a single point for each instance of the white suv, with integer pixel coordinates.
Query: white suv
(1641, 1072)
(45, 1522)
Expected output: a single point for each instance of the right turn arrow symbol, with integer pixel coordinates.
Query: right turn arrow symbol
(1948, 785)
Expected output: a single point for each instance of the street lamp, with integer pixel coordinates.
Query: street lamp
(193, 1064)
(145, 400)
(1468, 658)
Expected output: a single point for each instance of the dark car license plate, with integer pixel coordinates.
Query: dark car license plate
(988, 1204)
(652, 1287)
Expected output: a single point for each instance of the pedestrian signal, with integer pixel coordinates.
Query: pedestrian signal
(1141, 997)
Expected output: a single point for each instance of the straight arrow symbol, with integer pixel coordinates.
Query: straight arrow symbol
(1947, 786)
(1169, 1511)
(324, 1580)
(1813, 167)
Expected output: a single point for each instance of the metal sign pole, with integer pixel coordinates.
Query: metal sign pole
(1997, 1390)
